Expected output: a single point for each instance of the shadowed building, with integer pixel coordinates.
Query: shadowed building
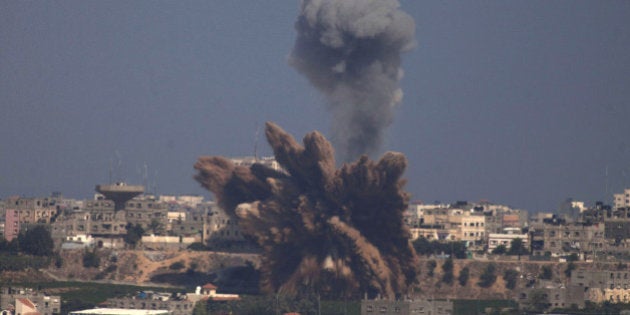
(405, 307)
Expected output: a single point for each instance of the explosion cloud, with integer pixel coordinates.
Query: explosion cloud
(338, 232)
(350, 51)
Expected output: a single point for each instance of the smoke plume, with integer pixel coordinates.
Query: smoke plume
(350, 51)
(339, 232)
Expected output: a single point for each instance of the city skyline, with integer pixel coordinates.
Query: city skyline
(524, 104)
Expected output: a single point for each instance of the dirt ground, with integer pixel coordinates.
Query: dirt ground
(137, 266)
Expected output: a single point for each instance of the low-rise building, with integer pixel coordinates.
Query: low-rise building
(506, 238)
(555, 296)
(406, 307)
(45, 304)
(178, 304)
(622, 200)
(603, 285)
(11, 224)
(119, 311)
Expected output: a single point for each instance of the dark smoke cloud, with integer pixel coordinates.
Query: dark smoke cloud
(339, 232)
(350, 50)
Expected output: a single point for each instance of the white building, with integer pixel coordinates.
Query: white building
(119, 311)
(248, 161)
(622, 200)
(506, 238)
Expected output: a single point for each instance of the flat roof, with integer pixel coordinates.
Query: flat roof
(120, 311)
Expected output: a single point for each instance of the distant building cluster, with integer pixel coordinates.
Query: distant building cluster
(26, 301)
(168, 221)
(177, 221)
(174, 304)
(478, 225)
(18, 300)
(591, 233)
(594, 233)
(406, 306)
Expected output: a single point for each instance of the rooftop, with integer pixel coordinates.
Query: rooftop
(120, 311)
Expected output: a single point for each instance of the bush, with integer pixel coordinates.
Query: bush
(133, 235)
(425, 247)
(546, 273)
(517, 247)
(499, 250)
(431, 264)
(510, 276)
(447, 267)
(197, 246)
(488, 277)
(18, 263)
(464, 274)
(58, 261)
(178, 265)
(36, 241)
(570, 268)
(91, 260)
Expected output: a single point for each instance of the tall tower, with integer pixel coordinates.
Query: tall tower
(120, 193)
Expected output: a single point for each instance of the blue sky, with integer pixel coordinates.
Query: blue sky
(524, 103)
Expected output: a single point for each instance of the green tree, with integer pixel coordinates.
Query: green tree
(488, 277)
(58, 261)
(538, 301)
(200, 308)
(156, 227)
(447, 268)
(517, 248)
(431, 264)
(36, 241)
(425, 247)
(178, 265)
(91, 259)
(499, 250)
(570, 268)
(133, 235)
(546, 273)
(464, 274)
(197, 246)
(510, 276)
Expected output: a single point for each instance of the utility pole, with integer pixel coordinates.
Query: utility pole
(319, 306)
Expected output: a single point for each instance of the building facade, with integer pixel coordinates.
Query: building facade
(406, 307)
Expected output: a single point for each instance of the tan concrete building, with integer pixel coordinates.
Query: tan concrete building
(406, 307)
(45, 304)
(622, 200)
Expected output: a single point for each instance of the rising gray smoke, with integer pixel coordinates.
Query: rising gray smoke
(350, 50)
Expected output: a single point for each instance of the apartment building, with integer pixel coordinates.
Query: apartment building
(506, 238)
(11, 224)
(45, 304)
(33, 210)
(603, 285)
(622, 200)
(407, 306)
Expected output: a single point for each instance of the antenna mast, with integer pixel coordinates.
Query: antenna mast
(256, 142)
(110, 171)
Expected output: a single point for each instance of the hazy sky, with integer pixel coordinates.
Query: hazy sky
(524, 103)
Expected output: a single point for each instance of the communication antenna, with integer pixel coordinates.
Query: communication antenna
(155, 183)
(118, 166)
(110, 171)
(256, 134)
(606, 174)
(145, 177)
